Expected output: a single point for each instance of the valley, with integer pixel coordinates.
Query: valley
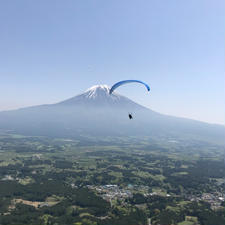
(64, 181)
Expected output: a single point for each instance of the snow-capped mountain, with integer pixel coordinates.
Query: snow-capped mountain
(98, 96)
(99, 91)
(96, 112)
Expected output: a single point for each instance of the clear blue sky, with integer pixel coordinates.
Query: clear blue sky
(52, 50)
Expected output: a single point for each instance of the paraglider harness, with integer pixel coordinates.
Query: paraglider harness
(130, 116)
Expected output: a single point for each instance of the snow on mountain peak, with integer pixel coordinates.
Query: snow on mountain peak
(104, 87)
(97, 90)
(98, 95)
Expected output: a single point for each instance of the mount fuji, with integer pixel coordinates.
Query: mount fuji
(97, 113)
(98, 97)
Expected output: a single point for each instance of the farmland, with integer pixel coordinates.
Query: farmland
(113, 181)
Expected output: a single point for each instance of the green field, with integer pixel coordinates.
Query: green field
(59, 181)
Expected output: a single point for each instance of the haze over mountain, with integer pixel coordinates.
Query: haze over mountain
(97, 113)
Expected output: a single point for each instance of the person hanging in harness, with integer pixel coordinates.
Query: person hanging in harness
(130, 116)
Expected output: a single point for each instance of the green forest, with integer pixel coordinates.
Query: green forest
(46, 181)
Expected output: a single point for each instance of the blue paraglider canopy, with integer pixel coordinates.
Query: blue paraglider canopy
(116, 85)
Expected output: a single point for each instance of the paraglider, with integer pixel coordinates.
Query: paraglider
(116, 85)
(130, 116)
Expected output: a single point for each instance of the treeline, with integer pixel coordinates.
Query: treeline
(61, 213)
(168, 211)
(68, 211)
(197, 178)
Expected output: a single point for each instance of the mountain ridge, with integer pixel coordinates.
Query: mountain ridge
(96, 112)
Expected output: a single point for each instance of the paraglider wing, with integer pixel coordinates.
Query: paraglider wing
(116, 85)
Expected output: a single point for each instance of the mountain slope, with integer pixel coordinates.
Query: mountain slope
(96, 112)
(98, 97)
